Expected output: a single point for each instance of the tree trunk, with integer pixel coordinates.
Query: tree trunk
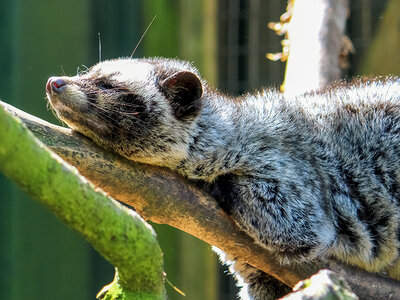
(316, 38)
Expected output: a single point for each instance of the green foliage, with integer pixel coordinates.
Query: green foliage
(382, 56)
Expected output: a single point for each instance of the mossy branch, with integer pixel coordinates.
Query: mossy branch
(164, 197)
(119, 234)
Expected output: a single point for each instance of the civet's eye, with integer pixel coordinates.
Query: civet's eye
(101, 84)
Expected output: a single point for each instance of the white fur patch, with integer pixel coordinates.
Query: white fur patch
(125, 70)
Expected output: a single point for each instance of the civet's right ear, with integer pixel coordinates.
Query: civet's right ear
(183, 90)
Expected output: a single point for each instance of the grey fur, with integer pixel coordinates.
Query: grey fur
(311, 177)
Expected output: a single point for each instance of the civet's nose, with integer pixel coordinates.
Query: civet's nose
(55, 85)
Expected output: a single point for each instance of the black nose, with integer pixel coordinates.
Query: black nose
(55, 84)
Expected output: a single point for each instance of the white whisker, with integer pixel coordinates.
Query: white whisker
(141, 38)
(99, 46)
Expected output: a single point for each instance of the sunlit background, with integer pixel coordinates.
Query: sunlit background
(40, 258)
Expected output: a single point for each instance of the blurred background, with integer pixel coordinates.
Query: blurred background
(40, 258)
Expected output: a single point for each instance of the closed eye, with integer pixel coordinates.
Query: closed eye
(101, 84)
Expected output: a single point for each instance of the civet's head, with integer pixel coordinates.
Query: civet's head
(142, 109)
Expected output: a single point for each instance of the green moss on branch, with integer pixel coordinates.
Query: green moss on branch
(119, 234)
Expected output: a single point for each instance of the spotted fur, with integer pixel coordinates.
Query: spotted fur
(312, 177)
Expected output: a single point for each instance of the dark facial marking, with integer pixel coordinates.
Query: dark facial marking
(103, 84)
(132, 104)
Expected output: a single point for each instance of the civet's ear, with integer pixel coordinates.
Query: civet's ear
(183, 90)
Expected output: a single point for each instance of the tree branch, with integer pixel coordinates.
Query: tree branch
(162, 196)
(117, 233)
